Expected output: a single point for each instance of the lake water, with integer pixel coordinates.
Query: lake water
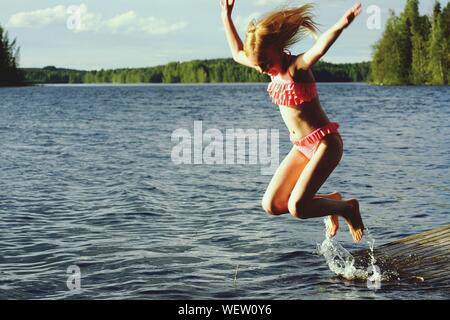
(87, 180)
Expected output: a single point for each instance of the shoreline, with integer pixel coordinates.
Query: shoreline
(146, 84)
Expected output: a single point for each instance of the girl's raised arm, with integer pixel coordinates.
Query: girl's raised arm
(235, 43)
(326, 40)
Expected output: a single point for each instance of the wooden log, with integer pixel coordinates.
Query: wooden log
(422, 258)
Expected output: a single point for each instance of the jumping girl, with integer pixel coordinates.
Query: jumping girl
(317, 144)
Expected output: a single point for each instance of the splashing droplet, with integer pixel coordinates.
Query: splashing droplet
(342, 263)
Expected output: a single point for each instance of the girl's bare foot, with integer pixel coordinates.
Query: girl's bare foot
(354, 220)
(333, 220)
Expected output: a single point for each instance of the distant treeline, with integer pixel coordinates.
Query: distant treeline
(10, 75)
(414, 49)
(198, 71)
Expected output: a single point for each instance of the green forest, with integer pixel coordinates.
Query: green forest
(414, 49)
(198, 71)
(10, 75)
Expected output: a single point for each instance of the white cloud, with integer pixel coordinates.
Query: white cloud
(38, 18)
(154, 25)
(127, 22)
(121, 22)
(89, 21)
(267, 2)
(130, 22)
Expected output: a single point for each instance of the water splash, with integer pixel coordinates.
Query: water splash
(376, 276)
(341, 262)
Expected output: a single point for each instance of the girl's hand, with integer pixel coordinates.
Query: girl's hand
(227, 7)
(350, 15)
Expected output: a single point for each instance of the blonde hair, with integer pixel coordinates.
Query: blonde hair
(281, 28)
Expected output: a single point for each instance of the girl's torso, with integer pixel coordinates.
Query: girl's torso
(304, 118)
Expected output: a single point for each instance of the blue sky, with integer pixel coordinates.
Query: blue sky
(140, 33)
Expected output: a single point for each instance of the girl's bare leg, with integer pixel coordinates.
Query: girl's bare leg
(333, 225)
(334, 195)
(303, 203)
(278, 193)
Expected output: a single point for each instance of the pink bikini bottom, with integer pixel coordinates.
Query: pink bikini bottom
(308, 144)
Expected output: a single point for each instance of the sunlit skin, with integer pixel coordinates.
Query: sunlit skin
(300, 121)
(274, 67)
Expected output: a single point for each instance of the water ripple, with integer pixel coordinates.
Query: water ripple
(87, 180)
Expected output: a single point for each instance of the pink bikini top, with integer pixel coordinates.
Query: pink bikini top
(290, 93)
